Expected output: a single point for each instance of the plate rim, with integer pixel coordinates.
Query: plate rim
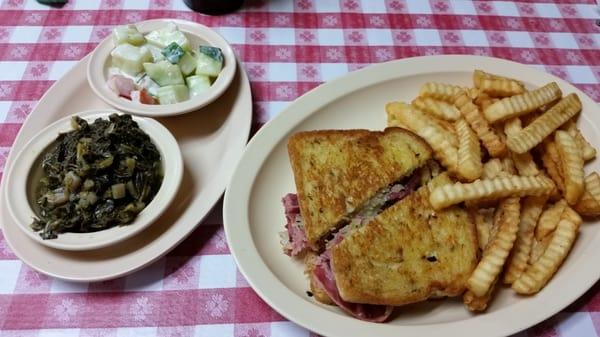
(272, 290)
(244, 94)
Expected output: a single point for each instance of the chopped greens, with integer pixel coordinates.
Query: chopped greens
(97, 176)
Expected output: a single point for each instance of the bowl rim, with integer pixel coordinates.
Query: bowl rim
(17, 179)
(97, 79)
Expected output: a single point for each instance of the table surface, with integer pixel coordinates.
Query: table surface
(287, 48)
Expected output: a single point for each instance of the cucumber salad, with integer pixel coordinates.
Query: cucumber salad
(160, 67)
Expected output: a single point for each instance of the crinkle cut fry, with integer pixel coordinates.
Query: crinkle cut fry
(549, 219)
(483, 219)
(501, 87)
(572, 165)
(417, 122)
(589, 203)
(479, 303)
(437, 108)
(524, 161)
(551, 161)
(497, 251)
(543, 126)
(540, 273)
(469, 152)
(491, 141)
(440, 91)
(499, 187)
(479, 75)
(517, 105)
(518, 260)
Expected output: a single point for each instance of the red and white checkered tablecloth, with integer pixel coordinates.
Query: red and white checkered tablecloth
(287, 47)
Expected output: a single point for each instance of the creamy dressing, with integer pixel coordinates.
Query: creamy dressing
(166, 67)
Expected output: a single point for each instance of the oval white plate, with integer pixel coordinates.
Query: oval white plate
(197, 34)
(253, 213)
(20, 191)
(211, 142)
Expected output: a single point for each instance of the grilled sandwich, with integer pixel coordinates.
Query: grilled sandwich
(342, 175)
(408, 253)
(369, 241)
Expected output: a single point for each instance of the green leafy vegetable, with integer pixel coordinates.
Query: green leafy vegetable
(173, 52)
(97, 176)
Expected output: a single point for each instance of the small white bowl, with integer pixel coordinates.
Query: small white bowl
(22, 178)
(197, 34)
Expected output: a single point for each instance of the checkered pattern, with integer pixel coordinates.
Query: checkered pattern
(287, 47)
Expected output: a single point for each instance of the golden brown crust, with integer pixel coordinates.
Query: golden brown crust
(336, 171)
(386, 261)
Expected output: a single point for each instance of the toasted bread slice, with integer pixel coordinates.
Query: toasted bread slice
(337, 171)
(408, 253)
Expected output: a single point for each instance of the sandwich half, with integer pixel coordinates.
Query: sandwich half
(406, 254)
(345, 175)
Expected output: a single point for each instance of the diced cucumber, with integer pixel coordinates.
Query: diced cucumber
(147, 83)
(172, 94)
(198, 84)
(187, 64)
(167, 35)
(206, 65)
(129, 58)
(128, 34)
(212, 52)
(173, 52)
(156, 52)
(164, 73)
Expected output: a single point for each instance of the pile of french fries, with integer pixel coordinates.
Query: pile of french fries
(518, 158)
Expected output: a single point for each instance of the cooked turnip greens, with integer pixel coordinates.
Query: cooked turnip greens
(97, 176)
(161, 67)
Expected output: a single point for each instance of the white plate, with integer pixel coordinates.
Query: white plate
(197, 34)
(211, 140)
(23, 179)
(253, 213)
